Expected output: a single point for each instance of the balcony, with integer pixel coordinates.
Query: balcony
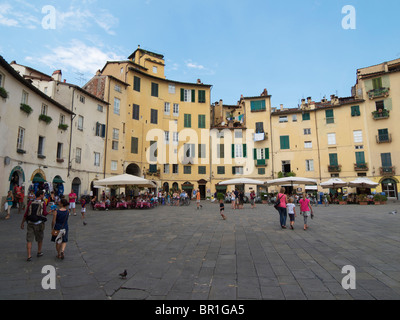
(378, 93)
(360, 167)
(153, 173)
(260, 162)
(384, 138)
(334, 168)
(387, 171)
(380, 114)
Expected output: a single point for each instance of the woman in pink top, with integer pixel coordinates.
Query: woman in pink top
(305, 209)
(282, 207)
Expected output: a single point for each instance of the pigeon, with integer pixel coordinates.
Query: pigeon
(84, 223)
(123, 274)
(393, 212)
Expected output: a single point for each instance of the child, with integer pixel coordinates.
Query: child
(222, 209)
(291, 207)
(305, 209)
(83, 209)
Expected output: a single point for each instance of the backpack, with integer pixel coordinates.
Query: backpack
(277, 202)
(35, 211)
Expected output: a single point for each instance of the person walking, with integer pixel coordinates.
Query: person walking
(281, 197)
(83, 209)
(305, 209)
(222, 209)
(9, 203)
(72, 201)
(35, 216)
(233, 200)
(60, 224)
(198, 199)
(291, 209)
(252, 199)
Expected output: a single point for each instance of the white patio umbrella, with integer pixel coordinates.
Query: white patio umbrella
(333, 183)
(363, 183)
(241, 181)
(291, 181)
(125, 180)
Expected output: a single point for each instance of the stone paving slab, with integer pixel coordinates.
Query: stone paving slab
(181, 253)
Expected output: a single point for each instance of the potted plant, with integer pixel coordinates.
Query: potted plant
(3, 93)
(25, 108)
(341, 200)
(363, 199)
(377, 198)
(45, 118)
(383, 199)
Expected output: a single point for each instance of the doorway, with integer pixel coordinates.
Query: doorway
(389, 186)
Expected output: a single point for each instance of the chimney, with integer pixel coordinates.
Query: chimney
(57, 75)
(308, 100)
(264, 93)
(199, 81)
(281, 107)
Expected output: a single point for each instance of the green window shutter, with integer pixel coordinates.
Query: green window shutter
(267, 153)
(182, 94)
(136, 83)
(329, 116)
(187, 120)
(202, 96)
(333, 160)
(233, 151)
(193, 95)
(154, 89)
(355, 111)
(285, 142)
(306, 116)
(202, 121)
(386, 159)
(360, 158)
(245, 151)
(377, 83)
(233, 170)
(153, 168)
(255, 154)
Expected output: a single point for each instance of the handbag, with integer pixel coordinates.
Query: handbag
(54, 232)
(277, 203)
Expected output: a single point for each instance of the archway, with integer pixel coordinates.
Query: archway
(17, 177)
(389, 186)
(76, 186)
(133, 169)
(166, 186)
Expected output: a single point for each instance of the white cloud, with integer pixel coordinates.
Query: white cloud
(76, 56)
(194, 65)
(14, 17)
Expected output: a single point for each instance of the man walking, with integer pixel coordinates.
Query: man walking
(35, 216)
(72, 201)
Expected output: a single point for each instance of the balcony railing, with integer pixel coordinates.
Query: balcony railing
(378, 93)
(384, 138)
(361, 167)
(260, 162)
(380, 114)
(387, 171)
(334, 168)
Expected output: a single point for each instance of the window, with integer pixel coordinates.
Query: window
(238, 134)
(154, 69)
(309, 165)
(100, 130)
(377, 83)
(167, 108)
(386, 159)
(307, 131)
(294, 118)
(239, 150)
(40, 146)
(355, 111)
(202, 121)
(171, 88)
(329, 116)
(261, 154)
(202, 150)
(379, 105)
(237, 170)
(202, 170)
(305, 116)
(175, 168)
(100, 108)
(78, 155)
(153, 168)
(135, 112)
(62, 119)
(97, 159)
(154, 116)
(136, 83)
(331, 138)
(257, 105)
(1, 80)
(44, 109)
(154, 89)
(220, 151)
(187, 120)
(117, 88)
(25, 96)
(114, 165)
(134, 145)
(259, 127)
(82, 99)
(153, 151)
(220, 170)
(189, 152)
(357, 136)
(188, 95)
(117, 104)
(261, 171)
(360, 157)
(285, 144)
(115, 138)
(202, 96)
(383, 135)
(80, 123)
(308, 144)
(175, 138)
(59, 150)
(166, 137)
(187, 169)
(175, 110)
(283, 119)
(166, 168)
(21, 138)
(333, 159)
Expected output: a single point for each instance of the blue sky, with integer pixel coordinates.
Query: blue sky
(294, 49)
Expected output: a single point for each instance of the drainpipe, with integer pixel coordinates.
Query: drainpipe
(106, 137)
(319, 156)
(70, 132)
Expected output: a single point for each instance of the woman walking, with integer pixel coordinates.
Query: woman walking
(305, 209)
(9, 203)
(60, 223)
(281, 197)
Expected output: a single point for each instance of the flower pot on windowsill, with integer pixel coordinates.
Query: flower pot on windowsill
(3, 93)
(45, 118)
(60, 160)
(26, 108)
(21, 151)
(63, 126)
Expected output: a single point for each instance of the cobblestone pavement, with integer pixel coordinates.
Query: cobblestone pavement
(180, 253)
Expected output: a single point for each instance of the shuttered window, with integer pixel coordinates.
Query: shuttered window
(202, 121)
(285, 144)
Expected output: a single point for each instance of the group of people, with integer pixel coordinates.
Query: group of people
(237, 199)
(286, 206)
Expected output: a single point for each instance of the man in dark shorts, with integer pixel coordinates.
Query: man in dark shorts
(222, 209)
